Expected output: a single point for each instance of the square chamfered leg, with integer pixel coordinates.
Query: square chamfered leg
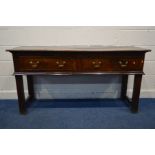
(20, 93)
(124, 86)
(136, 93)
(30, 84)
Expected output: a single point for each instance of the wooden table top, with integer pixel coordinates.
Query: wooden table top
(79, 48)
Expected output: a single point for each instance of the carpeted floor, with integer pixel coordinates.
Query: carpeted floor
(78, 114)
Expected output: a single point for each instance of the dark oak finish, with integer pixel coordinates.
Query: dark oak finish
(73, 60)
(124, 86)
(20, 93)
(30, 85)
(136, 93)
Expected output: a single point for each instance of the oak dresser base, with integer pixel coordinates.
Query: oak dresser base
(31, 61)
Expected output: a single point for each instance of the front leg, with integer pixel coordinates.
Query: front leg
(136, 93)
(20, 93)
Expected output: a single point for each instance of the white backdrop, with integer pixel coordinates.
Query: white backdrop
(77, 86)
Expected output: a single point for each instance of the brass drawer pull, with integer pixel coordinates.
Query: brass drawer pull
(60, 64)
(96, 64)
(34, 64)
(123, 63)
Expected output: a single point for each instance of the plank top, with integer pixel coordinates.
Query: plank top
(79, 48)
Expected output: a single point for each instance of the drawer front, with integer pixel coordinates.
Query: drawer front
(78, 64)
(127, 64)
(39, 63)
(95, 64)
(112, 64)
